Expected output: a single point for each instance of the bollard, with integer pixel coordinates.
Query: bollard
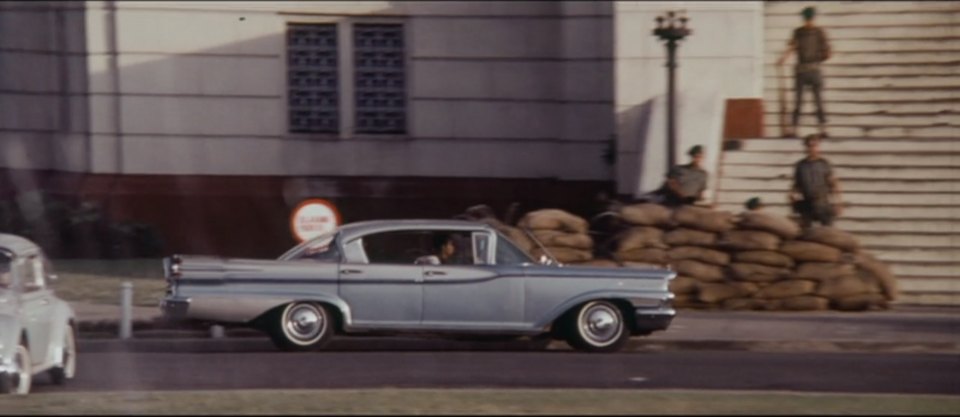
(216, 331)
(126, 310)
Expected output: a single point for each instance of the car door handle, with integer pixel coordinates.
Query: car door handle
(45, 301)
(432, 273)
(351, 271)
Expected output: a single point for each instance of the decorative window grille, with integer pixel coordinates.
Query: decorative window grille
(312, 81)
(380, 78)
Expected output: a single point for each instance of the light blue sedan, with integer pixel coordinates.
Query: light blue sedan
(447, 277)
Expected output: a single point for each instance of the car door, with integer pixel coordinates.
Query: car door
(473, 294)
(380, 282)
(36, 306)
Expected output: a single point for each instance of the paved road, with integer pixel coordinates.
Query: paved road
(251, 363)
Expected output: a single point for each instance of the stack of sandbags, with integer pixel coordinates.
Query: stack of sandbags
(563, 234)
(483, 213)
(642, 239)
(693, 254)
(639, 243)
(759, 266)
(848, 279)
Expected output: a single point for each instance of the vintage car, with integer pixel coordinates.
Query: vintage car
(387, 277)
(37, 329)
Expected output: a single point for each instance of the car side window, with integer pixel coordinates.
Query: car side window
(419, 247)
(481, 248)
(398, 247)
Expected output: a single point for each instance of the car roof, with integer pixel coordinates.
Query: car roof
(17, 245)
(352, 230)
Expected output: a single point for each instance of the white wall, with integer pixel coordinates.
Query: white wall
(523, 88)
(723, 58)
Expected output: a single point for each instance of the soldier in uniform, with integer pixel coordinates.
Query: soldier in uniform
(815, 194)
(685, 184)
(811, 45)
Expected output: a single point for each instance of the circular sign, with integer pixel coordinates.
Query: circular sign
(312, 218)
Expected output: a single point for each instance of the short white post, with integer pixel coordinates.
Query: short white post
(126, 310)
(216, 331)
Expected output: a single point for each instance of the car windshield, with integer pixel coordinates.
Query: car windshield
(314, 248)
(508, 253)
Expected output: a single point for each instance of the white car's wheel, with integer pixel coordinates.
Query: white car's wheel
(68, 363)
(302, 326)
(598, 326)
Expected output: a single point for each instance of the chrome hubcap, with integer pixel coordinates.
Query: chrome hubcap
(304, 323)
(600, 324)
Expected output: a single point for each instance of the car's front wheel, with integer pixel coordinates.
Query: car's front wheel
(598, 326)
(19, 381)
(68, 362)
(302, 326)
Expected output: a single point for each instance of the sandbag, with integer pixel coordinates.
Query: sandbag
(518, 237)
(881, 272)
(746, 287)
(641, 265)
(769, 222)
(786, 289)
(687, 301)
(554, 238)
(564, 255)
(698, 270)
(646, 214)
(640, 237)
(823, 270)
(646, 255)
(554, 219)
(764, 257)
(744, 240)
(740, 303)
(802, 251)
(689, 237)
(860, 302)
(713, 293)
(841, 287)
(831, 236)
(705, 219)
(772, 304)
(756, 272)
(683, 285)
(805, 303)
(710, 256)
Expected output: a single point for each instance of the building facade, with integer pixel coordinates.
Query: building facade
(210, 120)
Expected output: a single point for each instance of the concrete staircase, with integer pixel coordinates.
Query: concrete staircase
(892, 97)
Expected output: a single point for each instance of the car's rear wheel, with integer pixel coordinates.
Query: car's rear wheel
(598, 326)
(68, 362)
(302, 326)
(19, 381)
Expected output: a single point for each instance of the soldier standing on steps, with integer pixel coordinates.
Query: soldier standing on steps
(812, 48)
(815, 194)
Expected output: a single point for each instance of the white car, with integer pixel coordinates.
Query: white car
(37, 329)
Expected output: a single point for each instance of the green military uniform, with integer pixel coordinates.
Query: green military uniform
(812, 49)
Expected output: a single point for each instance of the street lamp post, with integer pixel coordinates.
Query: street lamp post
(672, 34)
